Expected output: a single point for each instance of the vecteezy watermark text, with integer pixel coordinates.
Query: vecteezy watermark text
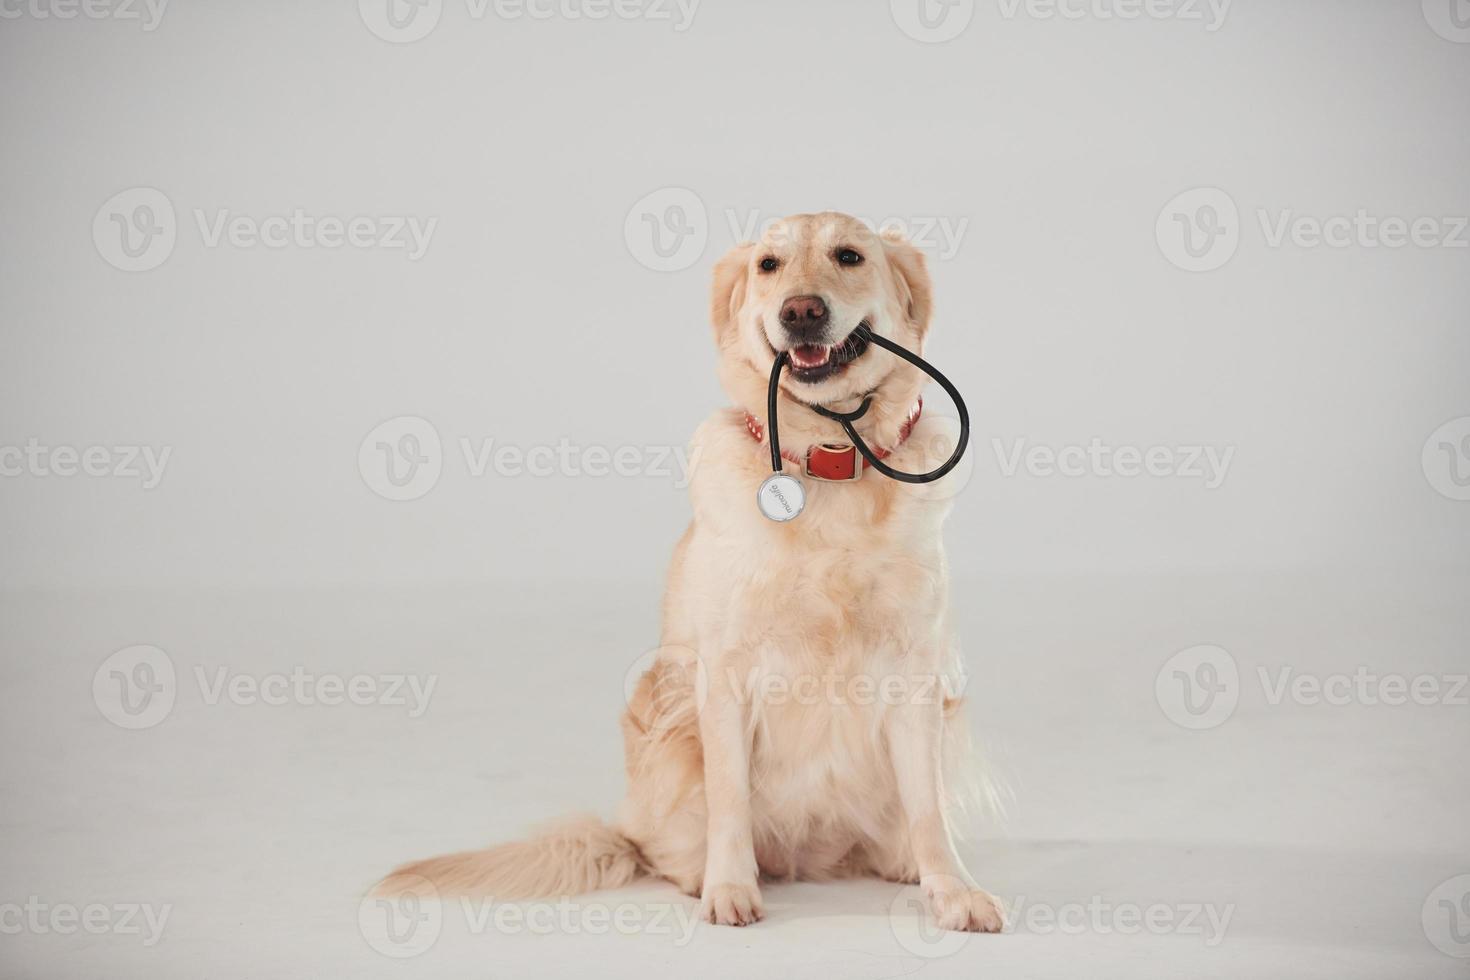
(406, 21)
(941, 235)
(569, 459)
(403, 458)
(1200, 687)
(667, 230)
(136, 230)
(38, 917)
(1362, 229)
(147, 12)
(1207, 464)
(143, 463)
(670, 684)
(913, 925)
(137, 687)
(408, 921)
(771, 689)
(937, 21)
(1210, 13)
(1200, 229)
(1102, 916)
(300, 229)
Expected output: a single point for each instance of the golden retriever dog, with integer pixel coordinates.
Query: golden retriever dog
(801, 717)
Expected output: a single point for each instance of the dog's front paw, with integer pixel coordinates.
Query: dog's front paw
(731, 905)
(959, 908)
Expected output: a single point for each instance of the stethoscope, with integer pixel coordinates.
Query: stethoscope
(782, 497)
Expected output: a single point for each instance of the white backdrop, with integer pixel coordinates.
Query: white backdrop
(318, 322)
(1033, 155)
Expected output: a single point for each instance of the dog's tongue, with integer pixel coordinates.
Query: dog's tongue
(809, 356)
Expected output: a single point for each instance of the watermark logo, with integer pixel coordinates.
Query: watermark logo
(483, 457)
(1198, 688)
(409, 921)
(135, 230)
(401, 21)
(678, 13)
(1211, 13)
(301, 229)
(1361, 687)
(916, 929)
(405, 923)
(933, 441)
(1207, 464)
(932, 21)
(135, 687)
(1446, 459)
(143, 463)
(1450, 19)
(148, 12)
(406, 21)
(570, 917)
(670, 685)
(915, 920)
(940, 235)
(666, 687)
(302, 687)
(1361, 229)
(1206, 921)
(1199, 230)
(41, 918)
(1446, 917)
(402, 458)
(775, 689)
(667, 230)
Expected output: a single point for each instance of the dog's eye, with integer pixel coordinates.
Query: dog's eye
(770, 264)
(847, 256)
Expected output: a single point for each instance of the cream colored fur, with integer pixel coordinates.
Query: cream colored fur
(729, 779)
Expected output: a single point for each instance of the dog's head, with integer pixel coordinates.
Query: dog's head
(805, 288)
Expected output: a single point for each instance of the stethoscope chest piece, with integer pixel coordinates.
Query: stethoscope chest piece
(781, 497)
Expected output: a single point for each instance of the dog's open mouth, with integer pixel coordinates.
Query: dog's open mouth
(811, 363)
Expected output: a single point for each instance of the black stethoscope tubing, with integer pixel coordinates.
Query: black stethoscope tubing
(846, 419)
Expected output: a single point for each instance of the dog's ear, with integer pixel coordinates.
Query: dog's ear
(911, 278)
(727, 294)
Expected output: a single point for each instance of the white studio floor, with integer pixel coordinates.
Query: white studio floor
(1293, 840)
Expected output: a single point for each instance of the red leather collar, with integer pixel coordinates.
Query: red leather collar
(835, 462)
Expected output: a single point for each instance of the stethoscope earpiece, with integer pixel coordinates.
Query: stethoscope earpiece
(781, 497)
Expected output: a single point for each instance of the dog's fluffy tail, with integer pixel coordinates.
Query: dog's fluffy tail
(579, 855)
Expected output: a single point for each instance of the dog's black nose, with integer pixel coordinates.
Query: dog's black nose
(804, 316)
